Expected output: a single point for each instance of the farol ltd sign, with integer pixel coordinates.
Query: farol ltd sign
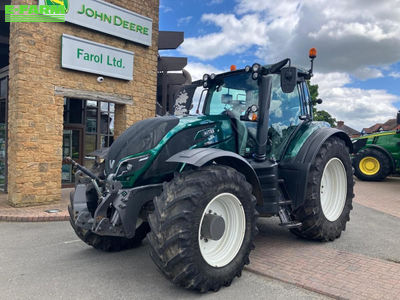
(108, 18)
(87, 56)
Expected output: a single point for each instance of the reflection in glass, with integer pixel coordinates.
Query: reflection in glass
(104, 106)
(91, 104)
(112, 116)
(104, 121)
(90, 143)
(3, 88)
(71, 146)
(91, 120)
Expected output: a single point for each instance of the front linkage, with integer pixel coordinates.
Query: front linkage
(117, 212)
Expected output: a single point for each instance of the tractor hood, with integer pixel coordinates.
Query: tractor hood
(141, 136)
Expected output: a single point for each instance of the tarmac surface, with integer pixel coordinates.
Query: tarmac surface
(46, 260)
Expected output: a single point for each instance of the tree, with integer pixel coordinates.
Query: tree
(319, 115)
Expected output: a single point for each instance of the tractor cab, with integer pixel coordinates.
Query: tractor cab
(266, 105)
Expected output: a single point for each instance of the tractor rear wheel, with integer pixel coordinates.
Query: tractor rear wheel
(202, 228)
(371, 165)
(329, 196)
(109, 243)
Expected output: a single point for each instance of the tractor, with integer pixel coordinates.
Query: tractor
(196, 184)
(377, 155)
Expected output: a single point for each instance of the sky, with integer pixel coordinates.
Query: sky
(358, 42)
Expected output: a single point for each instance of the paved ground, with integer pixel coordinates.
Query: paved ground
(363, 264)
(46, 261)
(383, 196)
(35, 213)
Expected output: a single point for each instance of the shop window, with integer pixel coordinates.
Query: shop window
(73, 111)
(88, 126)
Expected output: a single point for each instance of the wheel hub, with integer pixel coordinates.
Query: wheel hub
(222, 229)
(369, 165)
(213, 227)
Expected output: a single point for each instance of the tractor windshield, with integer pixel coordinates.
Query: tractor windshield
(238, 92)
(235, 93)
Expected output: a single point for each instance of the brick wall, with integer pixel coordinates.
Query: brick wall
(36, 114)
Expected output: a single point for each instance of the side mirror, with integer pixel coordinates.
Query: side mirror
(226, 99)
(288, 79)
(398, 117)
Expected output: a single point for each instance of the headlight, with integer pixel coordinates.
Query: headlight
(129, 166)
(212, 76)
(256, 67)
(205, 77)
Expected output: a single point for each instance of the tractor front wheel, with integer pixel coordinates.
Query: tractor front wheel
(326, 209)
(202, 227)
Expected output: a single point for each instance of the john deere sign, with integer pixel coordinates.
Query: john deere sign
(108, 18)
(64, 3)
(87, 56)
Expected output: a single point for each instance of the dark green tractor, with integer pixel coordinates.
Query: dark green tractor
(196, 184)
(377, 155)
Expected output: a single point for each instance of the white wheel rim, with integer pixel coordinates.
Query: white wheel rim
(333, 189)
(220, 253)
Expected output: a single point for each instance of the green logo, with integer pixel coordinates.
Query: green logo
(58, 2)
(37, 13)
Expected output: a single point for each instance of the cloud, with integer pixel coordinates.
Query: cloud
(184, 20)
(165, 9)
(197, 70)
(394, 74)
(359, 37)
(358, 108)
(236, 36)
(214, 2)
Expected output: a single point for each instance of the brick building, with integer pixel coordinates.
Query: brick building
(56, 104)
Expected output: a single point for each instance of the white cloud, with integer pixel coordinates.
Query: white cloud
(394, 74)
(197, 70)
(165, 9)
(184, 20)
(358, 36)
(358, 108)
(214, 2)
(236, 36)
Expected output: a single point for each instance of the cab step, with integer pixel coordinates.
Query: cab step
(286, 220)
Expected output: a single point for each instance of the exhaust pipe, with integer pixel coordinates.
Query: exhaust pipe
(264, 102)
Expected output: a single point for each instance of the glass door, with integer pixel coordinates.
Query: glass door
(72, 144)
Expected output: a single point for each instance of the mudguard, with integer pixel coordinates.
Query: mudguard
(358, 145)
(295, 171)
(202, 156)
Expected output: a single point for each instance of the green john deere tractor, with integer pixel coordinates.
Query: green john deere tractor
(377, 156)
(196, 184)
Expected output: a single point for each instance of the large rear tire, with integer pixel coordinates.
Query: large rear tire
(329, 196)
(371, 165)
(178, 243)
(109, 243)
